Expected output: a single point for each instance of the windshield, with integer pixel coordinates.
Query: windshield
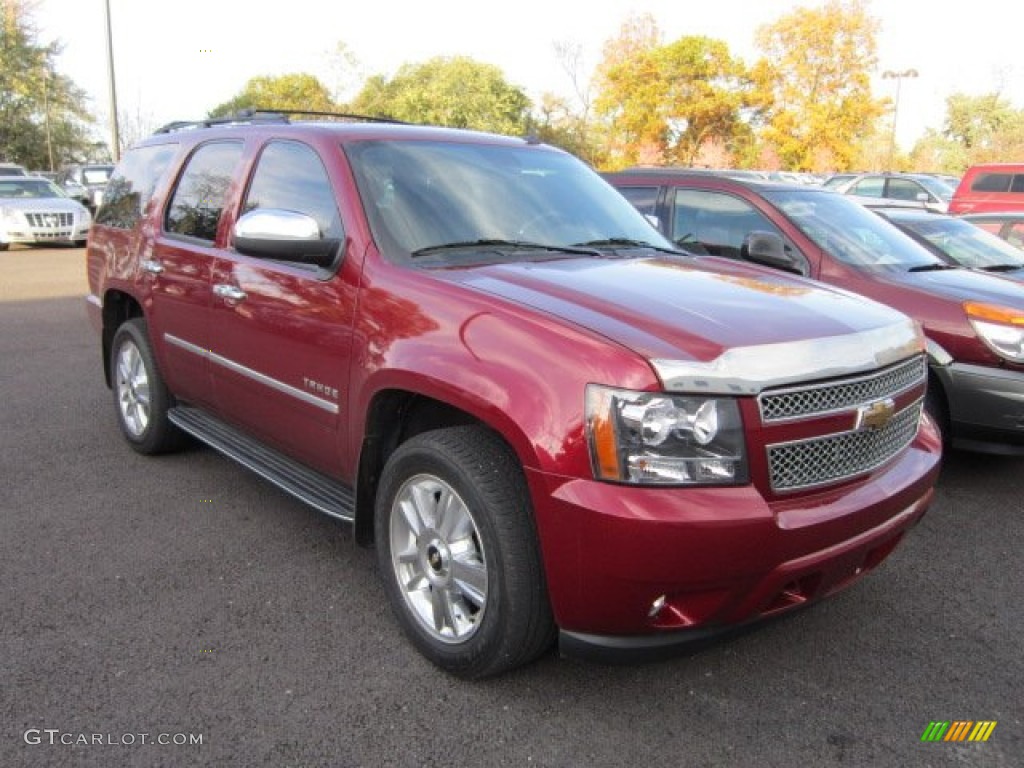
(28, 188)
(938, 187)
(965, 243)
(849, 231)
(422, 196)
(98, 175)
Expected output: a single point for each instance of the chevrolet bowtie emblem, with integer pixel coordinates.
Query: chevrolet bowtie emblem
(875, 415)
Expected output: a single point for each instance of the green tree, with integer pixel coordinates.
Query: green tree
(987, 127)
(43, 123)
(457, 92)
(817, 64)
(292, 91)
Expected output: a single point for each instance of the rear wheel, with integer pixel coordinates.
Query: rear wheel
(141, 399)
(459, 554)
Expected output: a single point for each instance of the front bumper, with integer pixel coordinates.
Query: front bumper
(644, 570)
(74, 233)
(986, 407)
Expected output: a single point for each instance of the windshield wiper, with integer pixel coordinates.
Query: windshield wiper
(1003, 267)
(932, 267)
(624, 242)
(506, 244)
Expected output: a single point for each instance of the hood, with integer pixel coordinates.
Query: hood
(1003, 288)
(699, 310)
(41, 205)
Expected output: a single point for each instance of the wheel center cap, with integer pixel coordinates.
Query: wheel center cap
(434, 558)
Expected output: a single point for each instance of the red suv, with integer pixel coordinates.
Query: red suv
(990, 187)
(547, 420)
(974, 322)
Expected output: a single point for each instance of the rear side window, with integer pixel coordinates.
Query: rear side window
(198, 199)
(992, 182)
(132, 185)
(869, 187)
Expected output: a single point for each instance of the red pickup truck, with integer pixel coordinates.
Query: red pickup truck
(548, 420)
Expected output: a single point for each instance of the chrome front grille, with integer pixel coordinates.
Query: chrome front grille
(49, 220)
(805, 402)
(832, 458)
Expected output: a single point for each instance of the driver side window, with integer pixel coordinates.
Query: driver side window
(717, 221)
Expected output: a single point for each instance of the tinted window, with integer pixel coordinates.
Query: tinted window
(132, 185)
(718, 221)
(199, 197)
(291, 176)
(1017, 185)
(904, 189)
(991, 182)
(644, 199)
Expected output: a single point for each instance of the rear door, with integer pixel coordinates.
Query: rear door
(179, 265)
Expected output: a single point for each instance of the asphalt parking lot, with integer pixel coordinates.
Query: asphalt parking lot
(183, 597)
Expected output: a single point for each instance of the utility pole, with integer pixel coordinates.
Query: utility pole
(115, 138)
(898, 77)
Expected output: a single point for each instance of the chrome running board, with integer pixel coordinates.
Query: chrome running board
(317, 490)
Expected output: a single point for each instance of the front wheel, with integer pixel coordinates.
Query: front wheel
(141, 399)
(459, 553)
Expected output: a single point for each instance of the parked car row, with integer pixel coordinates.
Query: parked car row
(973, 320)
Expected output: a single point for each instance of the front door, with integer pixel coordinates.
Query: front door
(282, 333)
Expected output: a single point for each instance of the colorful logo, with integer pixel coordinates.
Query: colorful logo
(958, 730)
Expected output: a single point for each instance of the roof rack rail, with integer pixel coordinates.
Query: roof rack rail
(342, 115)
(257, 116)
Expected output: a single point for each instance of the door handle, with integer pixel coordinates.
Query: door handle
(229, 292)
(152, 266)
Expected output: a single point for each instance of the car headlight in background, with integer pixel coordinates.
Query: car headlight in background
(11, 217)
(1001, 328)
(651, 438)
(85, 217)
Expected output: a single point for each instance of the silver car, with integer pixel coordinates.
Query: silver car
(36, 211)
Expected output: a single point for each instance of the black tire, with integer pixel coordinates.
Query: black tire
(141, 399)
(4, 246)
(496, 616)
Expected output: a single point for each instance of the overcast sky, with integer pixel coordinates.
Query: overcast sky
(177, 60)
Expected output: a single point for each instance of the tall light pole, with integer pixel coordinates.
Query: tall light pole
(898, 77)
(115, 138)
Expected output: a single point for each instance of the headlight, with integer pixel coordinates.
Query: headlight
(84, 216)
(1001, 328)
(650, 438)
(11, 217)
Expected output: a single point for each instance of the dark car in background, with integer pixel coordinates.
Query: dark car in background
(86, 182)
(973, 321)
(1008, 225)
(957, 241)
